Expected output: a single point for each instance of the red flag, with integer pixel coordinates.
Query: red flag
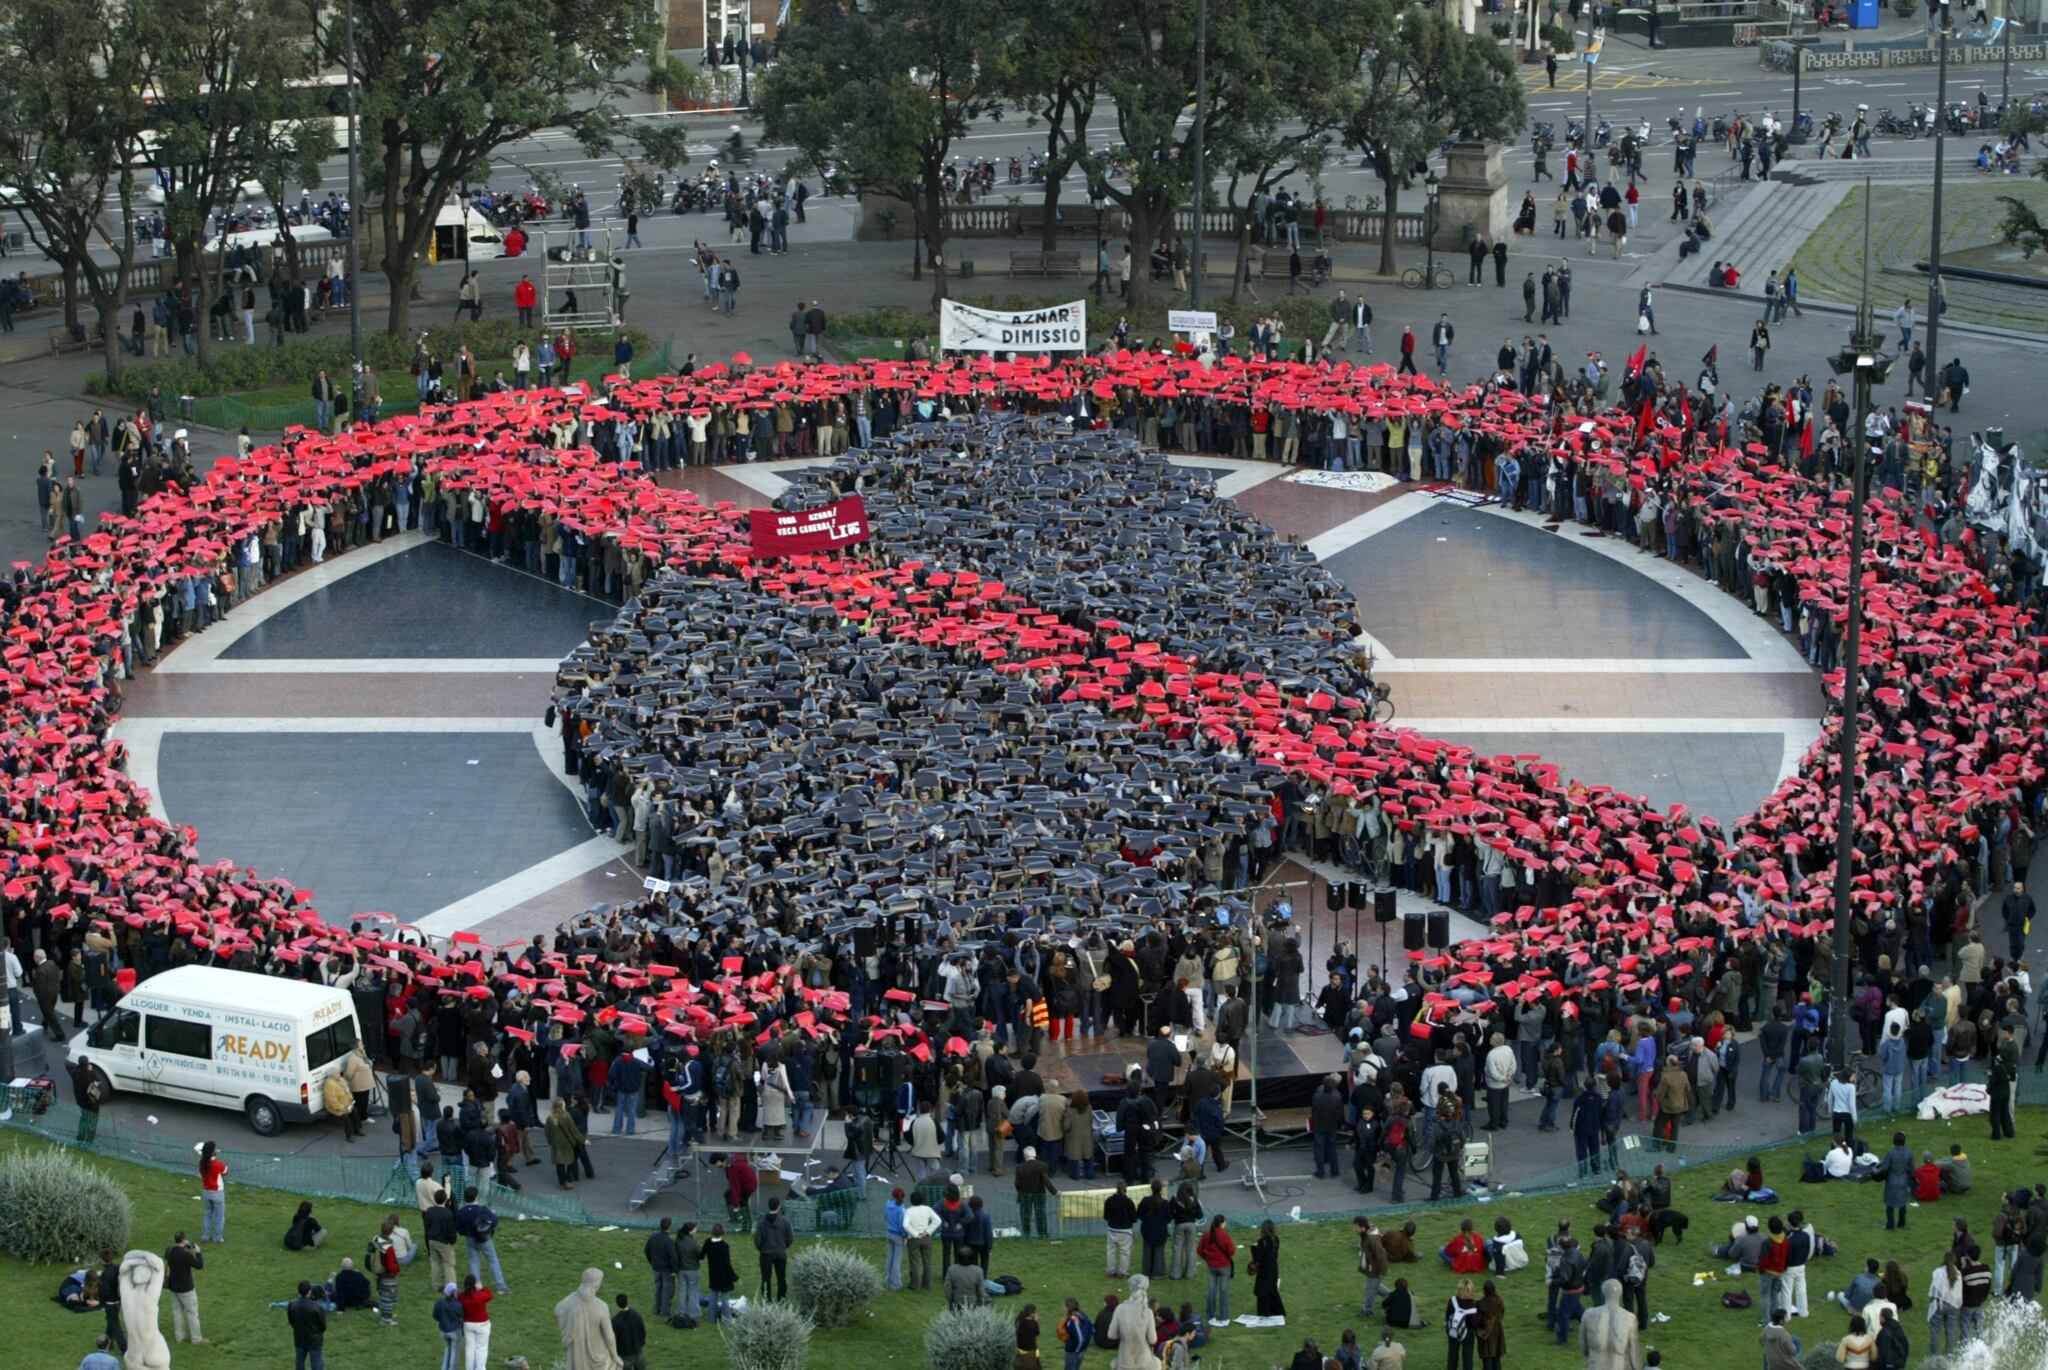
(1647, 417)
(1806, 439)
(1685, 413)
(1635, 363)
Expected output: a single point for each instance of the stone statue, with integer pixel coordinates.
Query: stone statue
(1134, 1327)
(142, 1289)
(587, 1328)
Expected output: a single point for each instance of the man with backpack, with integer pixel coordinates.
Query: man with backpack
(1400, 1133)
(478, 1226)
(1076, 1331)
(1568, 1281)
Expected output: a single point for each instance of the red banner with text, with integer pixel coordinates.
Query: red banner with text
(786, 532)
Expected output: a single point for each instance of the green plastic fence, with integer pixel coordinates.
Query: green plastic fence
(381, 1180)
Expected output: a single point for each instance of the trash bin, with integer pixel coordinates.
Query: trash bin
(1994, 438)
(186, 403)
(1862, 14)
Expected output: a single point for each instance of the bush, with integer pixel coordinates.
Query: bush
(886, 322)
(830, 1286)
(1559, 39)
(970, 1339)
(56, 1209)
(768, 1336)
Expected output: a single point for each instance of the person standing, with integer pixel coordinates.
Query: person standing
(479, 1225)
(665, 1259)
(308, 1319)
(1896, 1170)
(180, 1261)
(85, 1092)
(1440, 339)
(564, 1137)
(920, 1225)
(773, 1237)
(720, 1277)
(1372, 1264)
(447, 1314)
(629, 1330)
(476, 1324)
(213, 1196)
(1266, 1273)
(1119, 1216)
(1219, 1255)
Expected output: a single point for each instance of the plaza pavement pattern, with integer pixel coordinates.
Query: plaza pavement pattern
(373, 725)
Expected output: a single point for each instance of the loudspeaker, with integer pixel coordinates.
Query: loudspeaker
(1414, 932)
(864, 939)
(1361, 895)
(1439, 928)
(1339, 896)
(1383, 906)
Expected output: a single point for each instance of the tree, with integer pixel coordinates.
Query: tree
(446, 84)
(1423, 81)
(225, 114)
(72, 121)
(882, 89)
(1261, 74)
(1055, 77)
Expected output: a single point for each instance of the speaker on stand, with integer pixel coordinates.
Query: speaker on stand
(1414, 932)
(1439, 929)
(1383, 913)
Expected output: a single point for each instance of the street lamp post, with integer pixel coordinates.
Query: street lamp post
(1096, 195)
(2005, 65)
(1201, 117)
(1798, 70)
(1429, 187)
(1934, 236)
(1869, 367)
(355, 207)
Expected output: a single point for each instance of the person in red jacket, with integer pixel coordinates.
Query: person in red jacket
(1927, 1179)
(524, 297)
(1465, 1253)
(515, 241)
(1219, 1253)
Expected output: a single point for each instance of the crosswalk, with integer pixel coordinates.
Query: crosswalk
(1572, 76)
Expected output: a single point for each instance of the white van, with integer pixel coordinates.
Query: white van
(227, 1039)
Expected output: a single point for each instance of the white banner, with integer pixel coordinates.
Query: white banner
(1055, 328)
(1190, 321)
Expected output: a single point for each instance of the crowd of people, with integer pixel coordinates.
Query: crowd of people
(1084, 708)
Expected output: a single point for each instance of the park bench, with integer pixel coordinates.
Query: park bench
(1046, 264)
(1273, 266)
(63, 340)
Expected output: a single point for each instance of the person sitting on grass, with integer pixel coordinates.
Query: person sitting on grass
(80, 1291)
(351, 1288)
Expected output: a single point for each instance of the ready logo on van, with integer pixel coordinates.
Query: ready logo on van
(265, 1049)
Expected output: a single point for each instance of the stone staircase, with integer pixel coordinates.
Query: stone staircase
(1760, 233)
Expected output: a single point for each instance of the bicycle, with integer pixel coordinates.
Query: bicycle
(1869, 1080)
(1381, 709)
(1437, 278)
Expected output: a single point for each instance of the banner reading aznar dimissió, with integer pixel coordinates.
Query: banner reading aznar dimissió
(1052, 328)
(787, 532)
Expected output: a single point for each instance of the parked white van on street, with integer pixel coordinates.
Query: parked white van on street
(224, 1038)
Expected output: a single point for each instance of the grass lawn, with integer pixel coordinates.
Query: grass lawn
(275, 407)
(1830, 262)
(542, 1261)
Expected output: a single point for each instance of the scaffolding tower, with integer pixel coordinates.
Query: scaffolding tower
(583, 280)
